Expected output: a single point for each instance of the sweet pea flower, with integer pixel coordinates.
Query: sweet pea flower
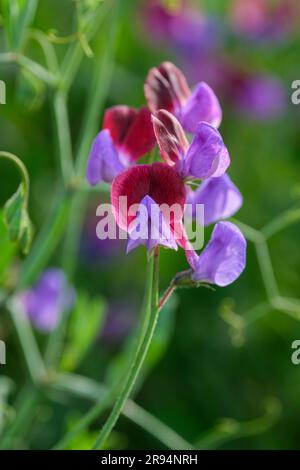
(166, 88)
(48, 300)
(206, 156)
(126, 136)
(220, 197)
(223, 259)
(186, 29)
(260, 97)
(151, 190)
(264, 19)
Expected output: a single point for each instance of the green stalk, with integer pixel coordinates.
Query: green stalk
(28, 343)
(21, 167)
(138, 360)
(64, 136)
(98, 92)
(86, 388)
(25, 406)
(105, 401)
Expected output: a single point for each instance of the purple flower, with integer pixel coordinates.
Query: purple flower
(150, 191)
(51, 297)
(166, 88)
(265, 20)
(127, 135)
(150, 228)
(260, 97)
(224, 257)
(221, 199)
(103, 162)
(206, 156)
(184, 28)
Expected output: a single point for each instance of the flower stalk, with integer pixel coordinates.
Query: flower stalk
(138, 362)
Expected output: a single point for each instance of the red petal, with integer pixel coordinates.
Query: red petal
(140, 138)
(170, 136)
(158, 180)
(166, 88)
(131, 130)
(118, 120)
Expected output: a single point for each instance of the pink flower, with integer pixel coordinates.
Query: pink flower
(166, 88)
(126, 136)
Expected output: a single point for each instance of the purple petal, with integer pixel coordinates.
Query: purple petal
(261, 97)
(150, 228)
(202, 105)
(221, 199)
(207, 155)
(48, 300)
(224, 258)
(103, 162)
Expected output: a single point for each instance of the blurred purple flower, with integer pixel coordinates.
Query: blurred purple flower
(221, 199)
(265, 20)
(51, 297)
(184, 28)
(257, 96)
(260, 97)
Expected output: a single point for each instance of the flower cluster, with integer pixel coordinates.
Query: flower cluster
(128, 134)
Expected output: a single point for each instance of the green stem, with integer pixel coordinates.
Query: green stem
(104, 69)
(266, 268)
(281, 222)
(28, 343)
(105, 401)
(25, 406)
(138, 360)
(37, 70)
(87, 388)
(64, 136)
(75, 52)
(47, 48)
(21, 167)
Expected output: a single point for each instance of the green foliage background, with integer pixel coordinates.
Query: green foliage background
(206, 363)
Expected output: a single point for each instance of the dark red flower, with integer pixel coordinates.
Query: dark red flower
(159, 181)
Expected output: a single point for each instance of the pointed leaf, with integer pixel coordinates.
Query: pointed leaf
(17, 219)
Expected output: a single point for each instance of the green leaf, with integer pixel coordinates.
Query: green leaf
(7, 250)
(17, 219)
(84, 327)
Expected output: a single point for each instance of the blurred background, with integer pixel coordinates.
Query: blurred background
(219, 372)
